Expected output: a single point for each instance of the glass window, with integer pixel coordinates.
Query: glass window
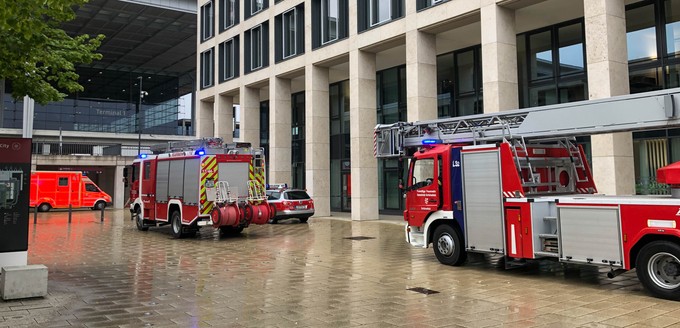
(571, 50)
(422, 172)
(256, 6)
(641, 34)
(147, 170)
(207, 68)
(289, 35)
(380, 11)
(207, 20)
(295, 195)
(672, 27)
(91, 187)
(228, 60)
(465, 66)
(256, 47)
(541, 55)
(459, 83)
(63, 182)
(274, 196)
(228, 13)
(330, 17)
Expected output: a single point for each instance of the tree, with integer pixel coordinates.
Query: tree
(36, 55)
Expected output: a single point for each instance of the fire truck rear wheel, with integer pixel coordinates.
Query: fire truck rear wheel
(139, 219)
(658, 268)
(176, 223)
(44, 207)
(448, 246)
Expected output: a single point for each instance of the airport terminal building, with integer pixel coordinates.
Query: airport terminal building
(313, 77)
(150, 48)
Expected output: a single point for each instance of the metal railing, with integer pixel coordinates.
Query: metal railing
(86, 149)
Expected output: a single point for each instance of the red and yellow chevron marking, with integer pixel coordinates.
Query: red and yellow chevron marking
(208, 171)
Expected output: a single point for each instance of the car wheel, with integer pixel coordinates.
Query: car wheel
(99, 206)
(303, 220)
(273, 221)
(658, 268)
(176, 222)
(44, 207)
(139, 219)
(448, 246)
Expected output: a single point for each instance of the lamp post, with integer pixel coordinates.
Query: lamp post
(139, 116)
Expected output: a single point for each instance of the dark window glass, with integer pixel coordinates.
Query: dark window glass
(207, 21)
(298, 139)
(147, 170)
(91, 188)
(63, 182)
(380, 11)
(641, 34)
(551, 65)
(229, 13)
(274, 196)
(256, 48)
(459, 83)
(289, 33)
(295, 195)
(228, 60)
(672, 28)
(330, 19)
(207, 68)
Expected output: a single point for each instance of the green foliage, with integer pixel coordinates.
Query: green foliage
(36, 55)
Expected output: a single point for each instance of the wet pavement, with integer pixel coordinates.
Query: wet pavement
(108, 274)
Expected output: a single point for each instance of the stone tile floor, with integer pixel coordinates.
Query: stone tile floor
(304, 275)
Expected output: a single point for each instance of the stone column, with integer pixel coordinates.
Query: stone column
(421, 76)
(204, 119)
(362, 120)
(605, 24)
(499, 57)
(317, 138)
(119, 196)
(280, 134)
(250, 115)
(224, 116)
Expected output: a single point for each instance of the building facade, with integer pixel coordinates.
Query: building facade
(313, 77)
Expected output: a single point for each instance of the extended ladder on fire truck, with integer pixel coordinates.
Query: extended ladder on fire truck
(556, 124)
(619, 114)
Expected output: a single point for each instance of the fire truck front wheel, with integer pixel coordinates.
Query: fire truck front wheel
(658, 268)
(448, 246)
(139, 219)
(44, 207)
(176, 223)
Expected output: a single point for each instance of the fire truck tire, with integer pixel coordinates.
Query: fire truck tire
(44, 207)
(230, 231)
(448, 246)
(658, 268)
(176, 223)
(139, 219)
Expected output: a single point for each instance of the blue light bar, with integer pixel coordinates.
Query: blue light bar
(432, 141)
(142, 156)
(199, 152)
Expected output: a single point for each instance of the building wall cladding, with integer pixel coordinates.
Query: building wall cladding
(353, 39)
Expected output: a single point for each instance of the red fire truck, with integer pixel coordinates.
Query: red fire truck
(192, 184)
(517, 184)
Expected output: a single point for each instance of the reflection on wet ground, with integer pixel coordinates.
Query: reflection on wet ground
(304, 275)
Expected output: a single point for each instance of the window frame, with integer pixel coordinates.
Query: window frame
(252, 6)
(210, 53)
(228, 64)
(260, 48)
(285, 32)
(232, 6)
(324, 16)
(211, 26)
(371, 9)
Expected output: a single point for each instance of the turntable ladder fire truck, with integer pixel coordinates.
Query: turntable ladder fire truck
(517, 184)
(192, 184)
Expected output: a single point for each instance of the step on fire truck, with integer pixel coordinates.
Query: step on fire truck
(192, 184)
(517, 184)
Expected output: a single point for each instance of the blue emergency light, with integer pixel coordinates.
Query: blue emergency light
(199, 152)
(432, 141)
(142, 156)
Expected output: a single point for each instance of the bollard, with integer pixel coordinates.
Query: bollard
(102, 215)
(70, 211)
(35, 215)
